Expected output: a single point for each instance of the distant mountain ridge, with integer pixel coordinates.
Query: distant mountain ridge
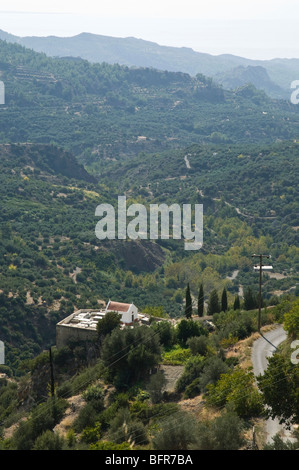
(275, 79)
(256, 75)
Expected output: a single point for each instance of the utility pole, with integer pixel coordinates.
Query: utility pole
(260, 267)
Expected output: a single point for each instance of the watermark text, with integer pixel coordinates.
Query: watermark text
(161, 221)
(2, 92)
(295, 94)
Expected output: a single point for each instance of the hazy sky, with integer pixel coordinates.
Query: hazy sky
(255, 29)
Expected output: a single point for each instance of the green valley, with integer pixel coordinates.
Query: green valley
(74, 135)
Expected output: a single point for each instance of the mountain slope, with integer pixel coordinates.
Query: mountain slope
(51, 262)
(256, 75)
(140, 53)
(100, 111)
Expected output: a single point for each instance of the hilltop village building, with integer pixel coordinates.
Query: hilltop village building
(82, 324)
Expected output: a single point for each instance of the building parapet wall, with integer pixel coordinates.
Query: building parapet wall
(65, 334)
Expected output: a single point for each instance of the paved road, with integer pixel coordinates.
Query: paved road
(263, 348)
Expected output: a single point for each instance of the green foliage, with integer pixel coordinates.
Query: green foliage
(213, 368)
(110, 321)
(279, 386)
(166, 332)
(213, 305)
(93, 392)
(84, 94)
(224, 301)
(235, 324)
(188, 306)
(200, 301)
(129, 354)
(280, 444)
(250, 300)
(237, 303)
(43, 418)
(70, 438)
(50, 266)
(192, 371)
(87, 417)
(177, 355)
(8, 399)
(199, 373)
(143, 411)
(222, 433)
(124, 428)
(291, 320)
(198, 345)
(91, 435)
(237, 389)
(155, 311)
(156, 386)
(175, 433)
(80, 379)
(95, 396)
(187, 329)
(49, 441)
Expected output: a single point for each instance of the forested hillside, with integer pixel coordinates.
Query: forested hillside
(74, 135)
(100, 110)
(104, 114)
(273, 76)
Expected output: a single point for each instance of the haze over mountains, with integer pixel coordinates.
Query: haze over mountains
(273, 76)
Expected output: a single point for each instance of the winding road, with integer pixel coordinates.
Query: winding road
(263, 348)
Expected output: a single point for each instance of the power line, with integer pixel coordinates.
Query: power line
(220, 408)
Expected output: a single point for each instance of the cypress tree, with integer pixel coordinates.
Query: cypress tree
(250, 301)
(188, 308)
(214, 306)
(200, 306)
(237, 303)
(224, 301)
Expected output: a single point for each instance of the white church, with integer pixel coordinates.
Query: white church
(128, 312)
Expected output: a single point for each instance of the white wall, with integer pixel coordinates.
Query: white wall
(130, 315)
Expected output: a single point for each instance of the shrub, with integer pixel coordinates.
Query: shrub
(177, 356)
(192, 371)
(134, 351)
(136, 433)
(91, 434)
(187, 329)
(94, 395)
(155, 386)
(198, 345)
(166, 332)
(237, 388)
(110, 321)
(175, 433)
(49, 441)
(44, 417)
(86, 418)
(213, 368)
(193, 389)
(291, 320)
(222, 433)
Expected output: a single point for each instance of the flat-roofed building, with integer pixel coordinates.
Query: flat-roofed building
(79, 326)
(82, 324)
